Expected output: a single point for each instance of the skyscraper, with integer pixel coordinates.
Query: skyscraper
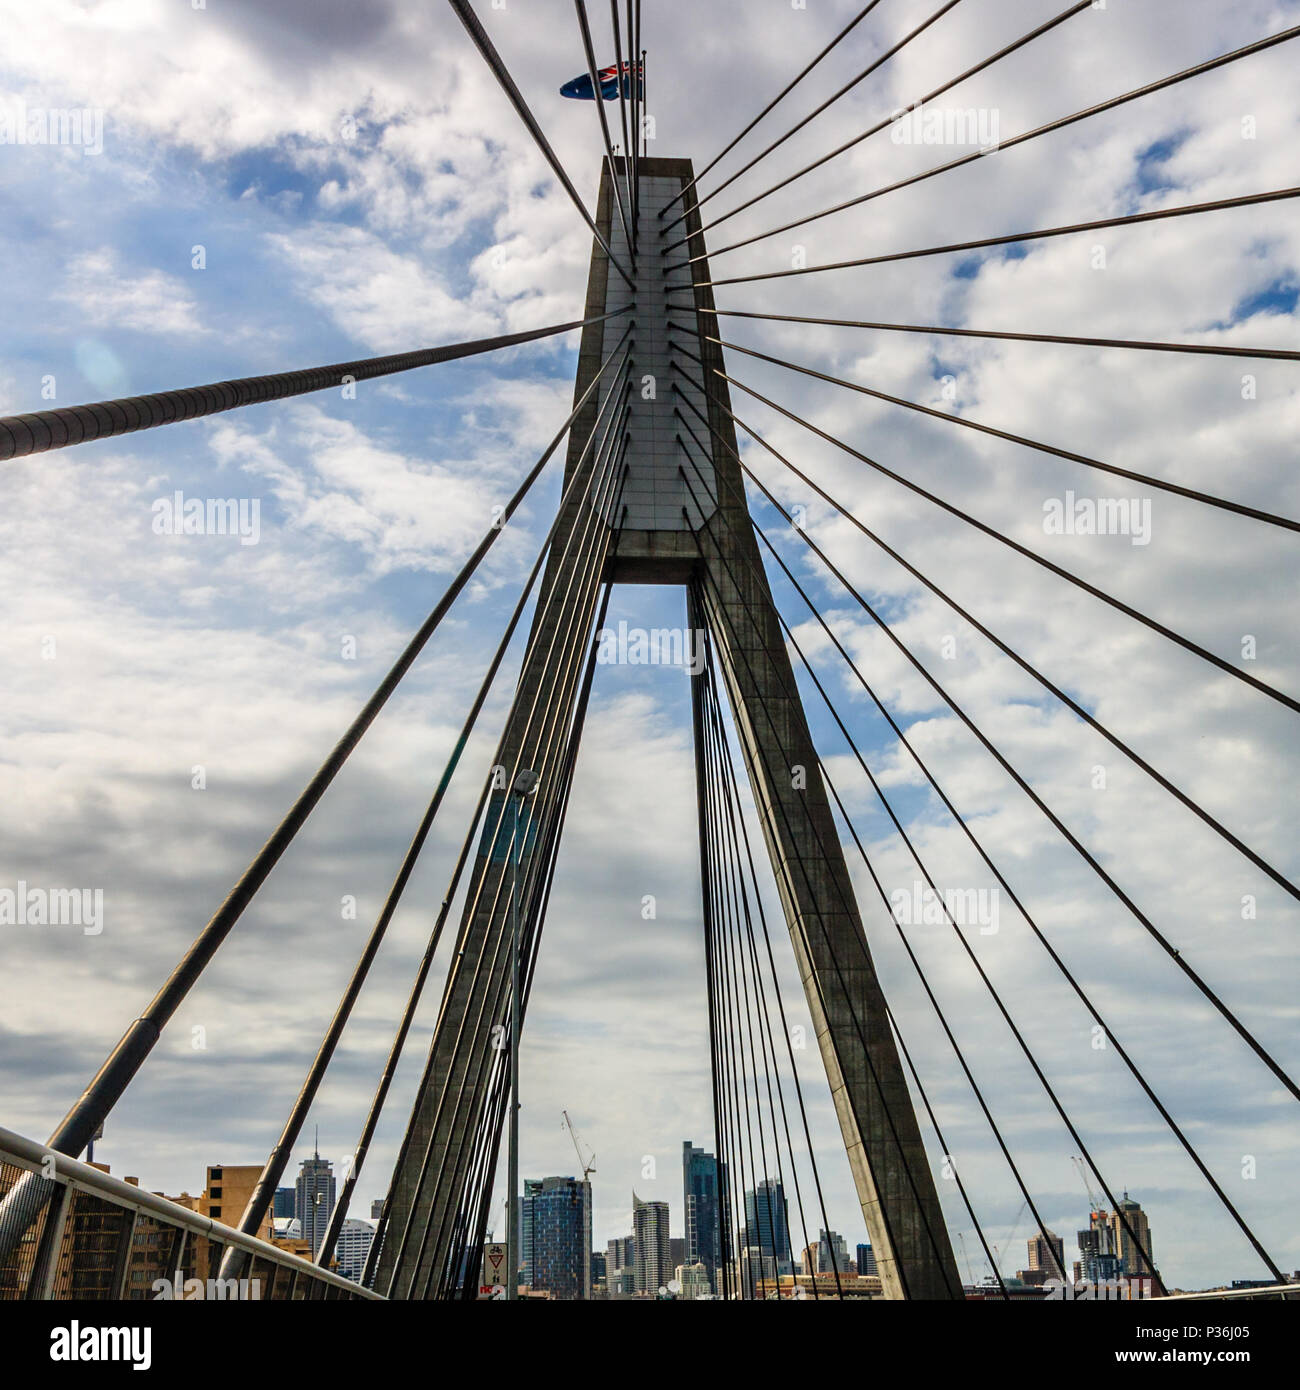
(700, 1194)
(555, 1236)
(832, 1254)
(352, 1247)
(767, 1230)
(315, 1198)
(650, 1234)
(1132, 1263)
(620, 1267)
(1048, 1260)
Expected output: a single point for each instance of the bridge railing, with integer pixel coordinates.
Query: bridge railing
(100, 1238)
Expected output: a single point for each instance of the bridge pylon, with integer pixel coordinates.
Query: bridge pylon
(654, 495)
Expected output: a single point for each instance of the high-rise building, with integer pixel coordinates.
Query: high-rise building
(1047, 1260)
(700, 1190)
(767, 1227)
(285, 1203)
(555, 1236)
(867, 1260)
(832, 1254)
(315, 1198)
(694, 1281)
(650, 1232)
(1132, 1262)
(352, 1246)
(1098, 1260)
(620, 1267)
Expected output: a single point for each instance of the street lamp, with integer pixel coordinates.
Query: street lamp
(525, 784)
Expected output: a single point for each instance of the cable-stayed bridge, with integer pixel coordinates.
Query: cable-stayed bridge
(659, 488)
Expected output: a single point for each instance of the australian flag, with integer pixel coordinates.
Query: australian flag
(581, 90)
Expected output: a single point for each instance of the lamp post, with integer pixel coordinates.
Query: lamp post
(525, 784)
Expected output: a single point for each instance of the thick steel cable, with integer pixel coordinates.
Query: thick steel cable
(623, 94)
(1147, 480)
(559, 693)
(44, 430)
(891, 119)
(537, 907)
(1060, 571)
(399, 884)
(447, 901)
(916, 1077)
(493, 59)
(1249, 50)
(1207, 349)
(780, 96)
(732, 1042)
(737, 900)
(830, 101)
(696, 621)
(575, 537)
(1078, 989)
(638, 86)
(801, 928)
(264, 1190)
(399, 1041)
(987, 982)
(1073, 705)
(983, 243)
(1176, 1130)
(476, 1220)
(554, 746)
(734, 813)
(718, 1055)
(793, 694)
(584, 26)
(847, 906)
(1074, 842)
(634, 114)
(593, 512)
(476, 1150)
(88, 1113)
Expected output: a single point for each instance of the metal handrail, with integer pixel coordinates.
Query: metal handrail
(70, 1172)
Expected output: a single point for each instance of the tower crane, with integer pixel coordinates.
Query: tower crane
(588, 1165)
(1083, 1175)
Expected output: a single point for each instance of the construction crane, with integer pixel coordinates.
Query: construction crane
(1093, 1201)
(588, 1165)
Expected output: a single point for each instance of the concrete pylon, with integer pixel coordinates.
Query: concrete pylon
(677, 528)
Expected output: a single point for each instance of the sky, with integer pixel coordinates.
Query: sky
(301, 183)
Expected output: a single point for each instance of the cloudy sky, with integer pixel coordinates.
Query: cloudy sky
(298, 183)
